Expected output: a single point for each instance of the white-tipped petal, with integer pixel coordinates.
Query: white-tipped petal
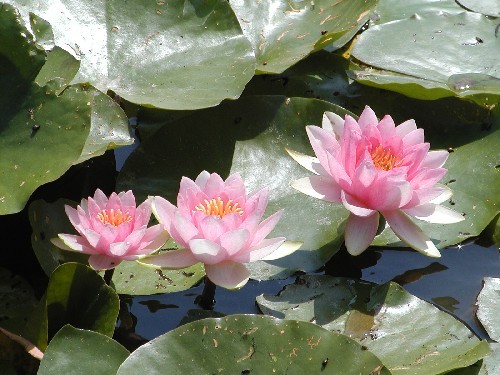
(360, 232)
(310, 163)
(444, 196)
(318, 187)
(411, 233)
(170, 259)
(434, 213)
(286, 248)
(229, 275)
(334, 123)
(352, 206)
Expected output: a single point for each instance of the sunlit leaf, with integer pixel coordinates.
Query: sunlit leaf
(488, 303)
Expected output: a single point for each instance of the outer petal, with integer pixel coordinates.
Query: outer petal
(434, 213)
(171, 259)
(367, 117)
(207, 251)
(188, 184)
(201, 179)
(410, 233)
(100, 198)
(333, 123)
(182, 229)
(310, 163)
(406, 127)
(118, 249)
(234, 186)
(324, 188)
(286, 248)
(164, 211)
(234, 241)
(355, 207)
(214, 185)
(264, 249)
(323, 143)
(266, 227)
(360, 232)
(154, 238)
(435, 159)
(229, 275)
(103, 262)
(73, 243)
(79, 220)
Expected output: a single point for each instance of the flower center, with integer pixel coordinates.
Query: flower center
(218, 208)
(384, 159)
(114, 217)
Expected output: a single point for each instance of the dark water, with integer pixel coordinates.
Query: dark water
(452, 283)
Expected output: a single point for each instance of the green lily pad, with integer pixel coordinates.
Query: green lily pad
(75, 295)
(16, 301)
(390, 10)
(77, 351)
(249, 344)
(256, 132)
(284, 32)
(486, 7)
(410, 336)
(61, 67)
(488, 303)
(179, 55)
(446, 54)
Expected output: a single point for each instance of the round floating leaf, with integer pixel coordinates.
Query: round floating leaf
(75, 295)
(250, 344)
(47, 221)
(409, 335)
(256, 131)
(134, 279)
(488, 304)
(16, 301)
(486, 7)
(447, 54)
(179, 55)
(77, 351)
(284, 32)
(60, 66)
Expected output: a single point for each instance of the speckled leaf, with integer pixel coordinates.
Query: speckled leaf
(410, 336)
(284, 32)
(390, 10)
(134, 279)
(75, 351)
(179, 55)
(16, 301)
(75, 295)
(248, 344)
(488, 303)
(60, 68)
(486, 7)
(256, 131)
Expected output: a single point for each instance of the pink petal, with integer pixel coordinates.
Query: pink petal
(100, 198)
(207, 251)
(338, 172)
(354, 206)
(367, 117)
(363, 178)
(154, 238)
(406, 127)
(333, 123)
(171, 259)
(446, 194)
(114, 202)
(310, 163)
(234, 241)
(360, 232)
(410, 233)
(323, 143)
(435, 159)
(257, 203)
(435, 194)
(234, 186)
(211, 228)
(434, 213)
(426, 178)
(214, 186)
(390, 192)
(386, 127)
(94, 239)
(324, 188)
(201, 180)
(164, 211)
(266, 227)
(350, 140)
(142, 214)
(136, 236)
(117, 249)
(188, 184)
(182, 229)
(103, 262)
(229, 275)
(262, 250)
(128, 202)
(79, 220)
(413, 138)
(74, 243)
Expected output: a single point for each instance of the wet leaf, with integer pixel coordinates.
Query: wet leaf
(251, 344)
(77, 351)
(486, 7)
(410, 336)
(488, 303)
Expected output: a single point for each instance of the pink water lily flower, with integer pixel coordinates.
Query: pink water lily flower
(112, 230)
(375, 168)
(218, 225)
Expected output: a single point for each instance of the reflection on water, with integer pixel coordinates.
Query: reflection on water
(451, 282)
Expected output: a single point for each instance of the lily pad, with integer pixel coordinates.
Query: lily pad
(284, 32)
(16, 301)
(75, 295)
(77, 351)
(486, 7)
(447, 54)
(390, 10)
(488, 303)
(256, 132)
(409, 335)
(148, 52)
(251, 344)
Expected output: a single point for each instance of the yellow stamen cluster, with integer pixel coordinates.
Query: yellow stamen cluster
(114, 217)
(384, 159)
(218, 208)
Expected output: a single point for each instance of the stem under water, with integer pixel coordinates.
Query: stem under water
(108, 274)
(207, 300)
